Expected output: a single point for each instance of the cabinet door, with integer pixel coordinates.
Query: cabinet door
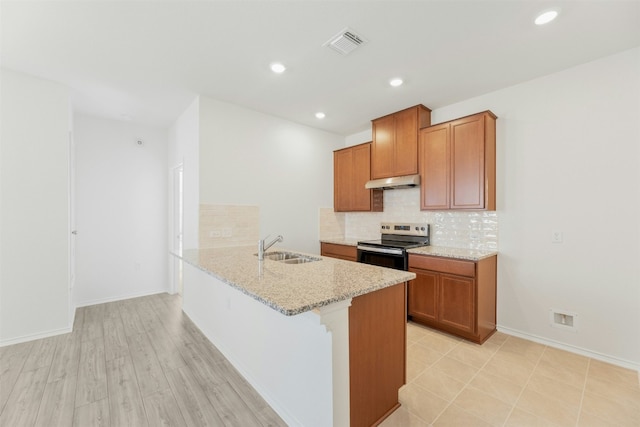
(406, 143)
(351, 171)
(467, 163)
(422, 297)
(361, 197)
(342, 178)
(456, 302)
(383, 152)
(434, 167)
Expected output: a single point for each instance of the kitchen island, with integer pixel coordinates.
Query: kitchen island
(289, 329)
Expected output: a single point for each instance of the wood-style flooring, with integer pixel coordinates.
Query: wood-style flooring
(136, 362)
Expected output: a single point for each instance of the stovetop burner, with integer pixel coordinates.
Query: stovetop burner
(401, 236)
(390, 243)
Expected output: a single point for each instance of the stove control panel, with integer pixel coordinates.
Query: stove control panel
(405, 228)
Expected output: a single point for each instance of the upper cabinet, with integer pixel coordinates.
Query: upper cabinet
(351, 171)
(394, 151)
(457, 162)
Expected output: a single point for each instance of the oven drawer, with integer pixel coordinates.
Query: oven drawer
(443, 265)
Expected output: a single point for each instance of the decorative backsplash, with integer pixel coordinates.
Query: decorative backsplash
(455, 229)
(228, 225)
(332, 224)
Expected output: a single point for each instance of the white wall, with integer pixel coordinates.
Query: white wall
(568, 159)
(250, 158)
(34, 221)
(121, 210)
(289, 360)
(358, 138)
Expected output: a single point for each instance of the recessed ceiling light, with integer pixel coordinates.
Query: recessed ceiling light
(320, 115)
(277, 67)
(546, 17)
(396, 82)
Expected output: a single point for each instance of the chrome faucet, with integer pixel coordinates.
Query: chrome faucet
(262, 246)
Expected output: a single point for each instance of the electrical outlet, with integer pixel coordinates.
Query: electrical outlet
(215, 233)
(226, 232)
(556, 236)
(563, 319)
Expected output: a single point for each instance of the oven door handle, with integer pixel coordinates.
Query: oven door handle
(389, 251)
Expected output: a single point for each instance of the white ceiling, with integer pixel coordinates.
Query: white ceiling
(147, 60)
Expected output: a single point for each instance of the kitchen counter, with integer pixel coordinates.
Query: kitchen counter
(292, 288)
(346, 242)
(441, 251)
(287, 328)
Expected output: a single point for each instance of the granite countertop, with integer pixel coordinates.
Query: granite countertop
(441, 251)
(459, 253)
(292, 288)
(337, 241)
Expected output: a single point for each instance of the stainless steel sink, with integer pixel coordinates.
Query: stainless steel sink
(280, 256)
(300, 260)
(289, 257)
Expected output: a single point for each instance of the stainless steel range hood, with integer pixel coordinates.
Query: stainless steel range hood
(407, 181)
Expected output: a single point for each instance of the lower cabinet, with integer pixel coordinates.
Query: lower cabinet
(377, 354)
(333, 250)
(455, 296)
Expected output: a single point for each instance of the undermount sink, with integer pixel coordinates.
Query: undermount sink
(300, 260)
(289, 257)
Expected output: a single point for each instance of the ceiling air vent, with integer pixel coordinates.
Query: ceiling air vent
(345, 41)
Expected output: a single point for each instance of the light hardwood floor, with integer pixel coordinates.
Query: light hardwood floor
(137, 362)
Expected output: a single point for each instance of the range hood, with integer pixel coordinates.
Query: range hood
(407, 181)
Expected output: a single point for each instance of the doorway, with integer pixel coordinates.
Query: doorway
(177, 186)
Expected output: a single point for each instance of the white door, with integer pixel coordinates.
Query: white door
(72, 224)
(176, 225)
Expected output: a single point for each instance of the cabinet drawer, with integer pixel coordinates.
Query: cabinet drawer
(443, 265)
(339, 251)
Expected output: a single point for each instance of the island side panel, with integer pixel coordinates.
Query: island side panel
(287, 359)
(377, 351)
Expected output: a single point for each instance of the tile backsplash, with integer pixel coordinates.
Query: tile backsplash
(456, 229)
(228, 225)
(332, 224)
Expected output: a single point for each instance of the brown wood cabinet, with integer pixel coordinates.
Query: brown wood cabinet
(395, 142)
(455, 296)
(333, 250)
(351, 171)
(377, 354)
(377, 347)
(457, 162)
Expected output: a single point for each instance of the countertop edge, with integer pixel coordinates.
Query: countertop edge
(455, 253)
(439, 251)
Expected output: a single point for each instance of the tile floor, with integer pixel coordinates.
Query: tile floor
(509, 381)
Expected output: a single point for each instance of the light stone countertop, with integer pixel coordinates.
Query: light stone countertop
(292, 288)
(459, 253)
(337, 241)
(441, 251)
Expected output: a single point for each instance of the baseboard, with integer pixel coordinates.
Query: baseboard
(68, 329)
(32, 337)
(119, 298)
(573, 349)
